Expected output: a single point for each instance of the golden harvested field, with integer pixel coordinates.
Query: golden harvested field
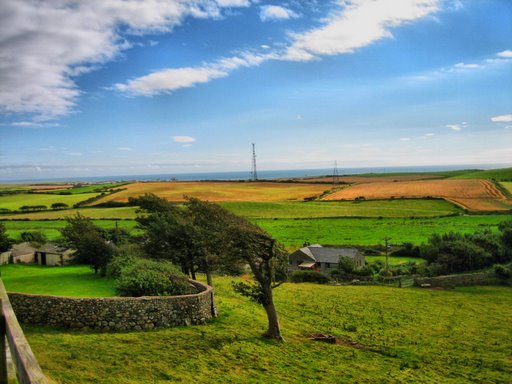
(219, 191)
(481, 195)
(372, 179)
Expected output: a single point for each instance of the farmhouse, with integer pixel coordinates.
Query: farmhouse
(48, 254)
(322, 259)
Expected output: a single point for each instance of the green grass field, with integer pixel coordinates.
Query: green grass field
(73, 280)
(404, 335)
(395, 260)
(331, 231)
(93, 213)
(371, 231)
(284, 209)
(51, 227)
(502, 174)
(384, 208)
(14, 202)
(87, 188)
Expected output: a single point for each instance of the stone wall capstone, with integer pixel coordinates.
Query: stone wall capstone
(115, 313)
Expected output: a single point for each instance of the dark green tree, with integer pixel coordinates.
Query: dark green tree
(5, 241)
(34, 237)
(87, 238)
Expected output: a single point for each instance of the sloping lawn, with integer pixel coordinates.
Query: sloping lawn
(73, 280)
(390, 335)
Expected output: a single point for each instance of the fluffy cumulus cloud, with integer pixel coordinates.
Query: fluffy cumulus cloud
(506, 54)
(46, 44)
(171, 79)
(183, 139)
(502, 119)
(276, 12)
(358, 24)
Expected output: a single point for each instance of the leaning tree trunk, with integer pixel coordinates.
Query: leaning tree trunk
(274, 329)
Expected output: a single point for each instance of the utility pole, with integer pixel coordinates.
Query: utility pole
(386, 239)
(335, 175)
(254, 173)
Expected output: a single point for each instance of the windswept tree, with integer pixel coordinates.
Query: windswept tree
(268, 263)
(87, 238)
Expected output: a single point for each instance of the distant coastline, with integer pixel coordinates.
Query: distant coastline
(262, 174)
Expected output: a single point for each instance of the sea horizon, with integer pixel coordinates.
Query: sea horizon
(247, 175)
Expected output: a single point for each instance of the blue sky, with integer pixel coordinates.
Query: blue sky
(120, 87)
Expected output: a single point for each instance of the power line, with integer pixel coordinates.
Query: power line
(335, 175)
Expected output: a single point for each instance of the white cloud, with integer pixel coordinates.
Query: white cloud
(183, 139)
(466, 66)
(502, 119)
(405, 139)
(33, 124)
(454, 127)
(74, 153)
(275, 12)
(359, 24)
(125, 149)
(506, 54)
(186, 145)
(171, 79)
(429, 134)
(45, 44)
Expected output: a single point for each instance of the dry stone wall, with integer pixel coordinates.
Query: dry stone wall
(115, 313)
(483, 278)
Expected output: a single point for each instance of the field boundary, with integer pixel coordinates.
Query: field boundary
(116, 313)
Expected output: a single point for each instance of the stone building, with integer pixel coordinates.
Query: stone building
(322, 259)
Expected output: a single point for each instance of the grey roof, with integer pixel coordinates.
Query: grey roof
(51, 248)
(328, 254)
(22, 249)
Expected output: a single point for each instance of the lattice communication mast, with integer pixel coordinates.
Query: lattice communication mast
(254, 173)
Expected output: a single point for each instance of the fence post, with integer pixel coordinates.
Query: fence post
(3, 349)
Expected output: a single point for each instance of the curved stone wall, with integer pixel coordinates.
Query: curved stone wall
(115, 313)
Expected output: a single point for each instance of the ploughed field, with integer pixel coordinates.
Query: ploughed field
(386, 335)
(477, 195)
(219, 191)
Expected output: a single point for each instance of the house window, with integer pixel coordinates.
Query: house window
(327, 265)
(319, 265)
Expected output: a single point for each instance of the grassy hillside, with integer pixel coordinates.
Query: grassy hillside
(93, 213)
(88, 188)
(502, 174)
(391, 335)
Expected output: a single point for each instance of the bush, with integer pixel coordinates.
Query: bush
(347, 264)
(124, 256)
(502, 271)
(152, 278)
(309, 277)
(407, 249)
(365, 270)
(34, 237)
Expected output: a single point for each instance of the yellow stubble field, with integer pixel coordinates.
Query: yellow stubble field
(220, 191)
(472, 194)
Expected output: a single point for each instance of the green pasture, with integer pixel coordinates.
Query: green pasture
(502, 174)
(73, 280)
(93, 213)
(87, 188)
(507, 185)
(389, 335)
(371, 231)
(375, 208)
(14, 202)
(51, 227)
(395, 260)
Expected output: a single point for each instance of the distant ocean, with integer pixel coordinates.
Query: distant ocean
(244, 175)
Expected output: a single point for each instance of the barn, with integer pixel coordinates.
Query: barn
(322, 259)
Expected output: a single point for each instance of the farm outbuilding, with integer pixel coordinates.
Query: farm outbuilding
(51, 254)
(48, 254)
(322, 259)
